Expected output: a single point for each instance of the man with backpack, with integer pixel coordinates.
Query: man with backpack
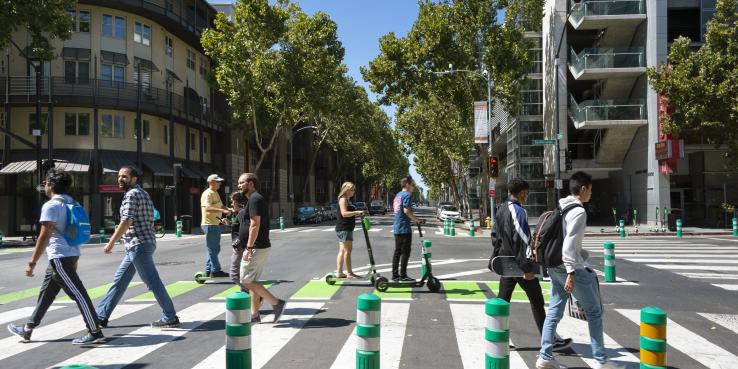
(559, 247)
(59, 237)
(137, 230)
(511, 239)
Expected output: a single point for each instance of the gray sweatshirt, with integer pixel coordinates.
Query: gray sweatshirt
(575, 224)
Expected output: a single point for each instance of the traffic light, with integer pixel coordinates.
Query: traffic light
(569, 160)
(494, 168)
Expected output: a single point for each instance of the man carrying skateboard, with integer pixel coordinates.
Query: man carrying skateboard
(511, 239)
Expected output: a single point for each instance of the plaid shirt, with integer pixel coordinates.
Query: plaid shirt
(137, 206)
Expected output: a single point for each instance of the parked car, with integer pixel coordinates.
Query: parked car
(449, 212)
(328, 213)
(334, 206)
(361, 206)
(307, 214)
(377, 207)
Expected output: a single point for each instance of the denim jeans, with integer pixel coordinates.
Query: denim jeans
(587, 292)
(212, 241)
(139, 259)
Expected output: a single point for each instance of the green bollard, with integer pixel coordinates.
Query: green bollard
(78, 366)
(102, 235)
(427, 244)
(452, 228)
(735, 226)
(497, 334)
(238, 331)
(679, 228)
(471, 228)
(179, 228)
(368, 314)
(653, 338)
(609, 262)
(622, 228)
(445, 227)
(281, 223)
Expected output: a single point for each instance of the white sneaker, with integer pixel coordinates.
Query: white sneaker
(609, 365)
(542, 363)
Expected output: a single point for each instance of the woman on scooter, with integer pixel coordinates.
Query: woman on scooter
(347, 214)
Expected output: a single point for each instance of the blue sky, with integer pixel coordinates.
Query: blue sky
(360, 25)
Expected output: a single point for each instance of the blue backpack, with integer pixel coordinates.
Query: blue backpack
(77, 230)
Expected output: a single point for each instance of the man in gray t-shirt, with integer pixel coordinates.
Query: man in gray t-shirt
(62, 270)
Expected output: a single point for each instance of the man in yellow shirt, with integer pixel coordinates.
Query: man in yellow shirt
(212, 211)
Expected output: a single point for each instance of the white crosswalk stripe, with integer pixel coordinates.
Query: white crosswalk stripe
(21, 313)
(578, 331)
(729, 321)
(729, 287)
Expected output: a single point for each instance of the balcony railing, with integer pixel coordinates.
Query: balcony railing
(596, 113)
(586, 8)
(631, 57)
(111, 94)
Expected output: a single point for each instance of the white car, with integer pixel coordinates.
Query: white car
(449, 212)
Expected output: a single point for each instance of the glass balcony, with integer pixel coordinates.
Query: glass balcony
(592, 114)
(593, 61)
(608, 8)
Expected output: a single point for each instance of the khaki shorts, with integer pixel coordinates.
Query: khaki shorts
(251, 270)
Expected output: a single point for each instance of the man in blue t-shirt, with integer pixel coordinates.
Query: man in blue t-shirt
(403, 209)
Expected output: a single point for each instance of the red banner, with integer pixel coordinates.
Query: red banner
(109, 189)
(668, 147)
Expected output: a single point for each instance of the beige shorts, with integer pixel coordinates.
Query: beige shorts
(251, 270)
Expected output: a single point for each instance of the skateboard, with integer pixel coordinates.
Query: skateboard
(202, 277)
(506, 266)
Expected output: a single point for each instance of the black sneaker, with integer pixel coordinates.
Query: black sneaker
(562, 344)
(256, 319)
(103, 323)
(90, 338)
(219, 274)
(395, 279)
(407, 279)
(161, 323)
(278, 309)
(20, 331)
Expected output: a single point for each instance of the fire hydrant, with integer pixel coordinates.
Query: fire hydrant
(489, 223)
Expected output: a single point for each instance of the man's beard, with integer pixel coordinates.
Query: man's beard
(125, 185)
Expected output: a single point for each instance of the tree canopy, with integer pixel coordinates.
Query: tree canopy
(44, 20)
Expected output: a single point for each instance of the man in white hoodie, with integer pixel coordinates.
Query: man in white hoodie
(574, 276)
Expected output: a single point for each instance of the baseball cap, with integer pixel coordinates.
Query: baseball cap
(215, 177)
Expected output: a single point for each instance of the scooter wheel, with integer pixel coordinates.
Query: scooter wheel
(434, 285)
(381, 284)
(330, 279)
(200, 277)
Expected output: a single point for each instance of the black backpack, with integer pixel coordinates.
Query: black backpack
(547, 242)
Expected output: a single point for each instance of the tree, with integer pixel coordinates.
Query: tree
(44, 20)
(700, 87)
(272, 60)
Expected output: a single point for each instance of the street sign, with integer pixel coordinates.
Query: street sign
(492, 192)
(109, 189)
(544, 142)
(36, 132)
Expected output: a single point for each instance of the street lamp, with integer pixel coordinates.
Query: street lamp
(484, 74)
(292, 140)
(557, 159)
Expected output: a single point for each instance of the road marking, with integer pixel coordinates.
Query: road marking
(435, 262)
(94, 293)
(19, 295)
(729, 321)
(316, 289)
(717, 268)
(729, 287)
(376, 229)
(463, 274)
(469, 325)
(122, 351)
(666, 256)
(173, 289)
(578, 331)
(327, 229)
(519, 294)
(665, 248)
(690, 343)
(709, 275)
(21, 313)
(682, 260)
(394, 321)
(722, 239)
(56, 331)
(416, 266)
(399, 293)
(463, 291)
(237, 288)
(308, 230)
(287, 230)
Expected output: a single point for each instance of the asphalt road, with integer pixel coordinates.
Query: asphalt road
(694, 279)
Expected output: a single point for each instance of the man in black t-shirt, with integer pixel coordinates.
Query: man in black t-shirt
(257, 248)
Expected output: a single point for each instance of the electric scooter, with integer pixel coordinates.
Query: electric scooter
(372, 275)
(434, 285)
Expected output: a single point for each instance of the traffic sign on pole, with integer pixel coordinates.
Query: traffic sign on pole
(544, 142)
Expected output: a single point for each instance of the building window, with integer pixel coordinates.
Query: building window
(114, 26)
(112, 75)
(204, 144)
(32, 122)
(76, 124)
(203, 68)
(142, 34)
(2, 119)
(166, 134)
(113, 126)
(145, 78)
(146, 126)
(76, 72)
(192, 142)
(73, 15)
(191, 60)
(80, 20)
(168, 46)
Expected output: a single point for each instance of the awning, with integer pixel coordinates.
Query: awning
(76, 53)
(173, 75)
(18, 167)
(158, 165)
(189, 173)
(113, 57)
(112, 161)
(24, 161)
(145, 64)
